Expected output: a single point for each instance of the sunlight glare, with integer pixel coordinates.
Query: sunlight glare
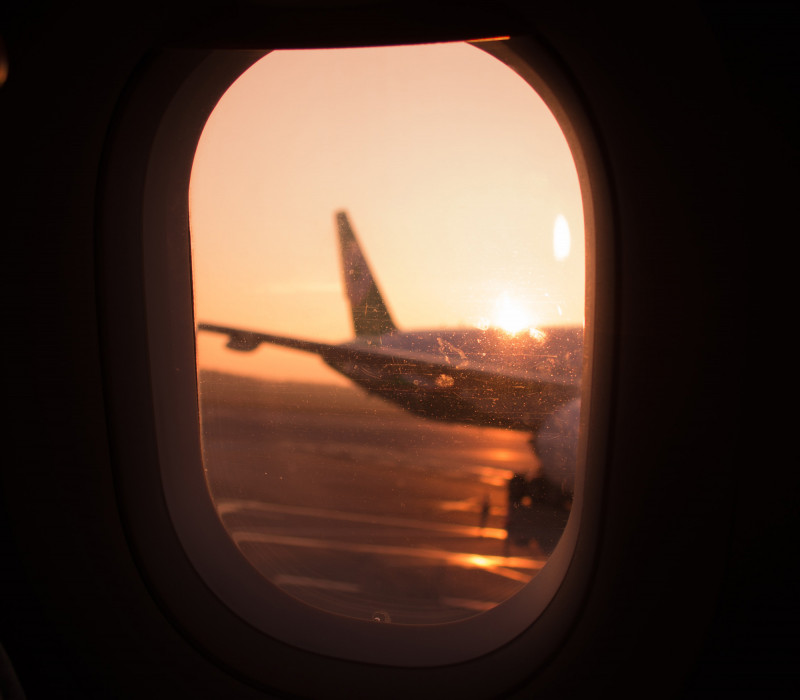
(509, 315)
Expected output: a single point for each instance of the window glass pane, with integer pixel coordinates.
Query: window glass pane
(392, 239)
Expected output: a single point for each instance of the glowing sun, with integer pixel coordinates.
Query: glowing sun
(510, 315)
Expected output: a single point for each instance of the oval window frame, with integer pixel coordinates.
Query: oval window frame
(194, 569)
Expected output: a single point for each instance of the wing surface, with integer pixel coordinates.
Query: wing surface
(393, 362)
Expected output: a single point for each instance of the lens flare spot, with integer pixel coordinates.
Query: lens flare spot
(562, 239)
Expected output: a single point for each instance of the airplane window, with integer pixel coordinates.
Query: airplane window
(388, 269)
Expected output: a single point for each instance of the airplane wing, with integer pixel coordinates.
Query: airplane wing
(388, 363)
(247, 341)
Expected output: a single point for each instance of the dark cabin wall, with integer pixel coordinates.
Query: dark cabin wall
(694, 593)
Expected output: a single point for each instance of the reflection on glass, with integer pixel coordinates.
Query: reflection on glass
(364, 467)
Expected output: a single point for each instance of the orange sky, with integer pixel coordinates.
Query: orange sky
(452, 169)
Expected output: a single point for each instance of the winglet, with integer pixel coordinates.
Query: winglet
(370, 315)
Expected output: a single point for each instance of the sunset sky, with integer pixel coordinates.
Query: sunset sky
(457, 179)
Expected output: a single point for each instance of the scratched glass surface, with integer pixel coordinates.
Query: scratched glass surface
(388, 261)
